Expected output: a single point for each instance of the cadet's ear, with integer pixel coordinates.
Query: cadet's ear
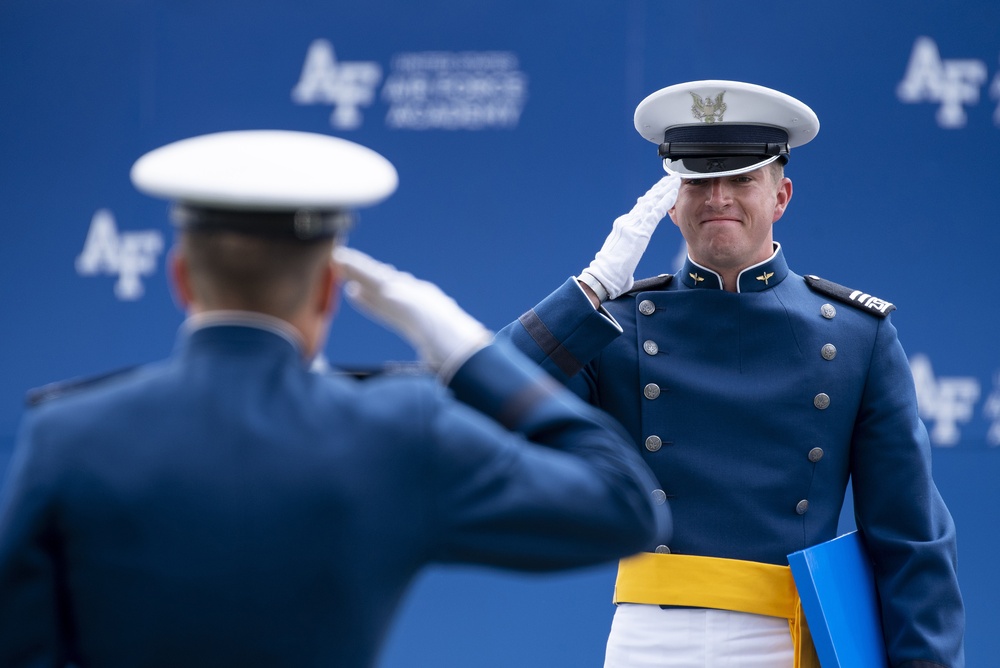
(783, 198)
(180, 278)
(670, 212)
(328, 290)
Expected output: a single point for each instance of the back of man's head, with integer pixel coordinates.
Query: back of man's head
(230, 270)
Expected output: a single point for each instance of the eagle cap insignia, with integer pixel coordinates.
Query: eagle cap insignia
(707, 109)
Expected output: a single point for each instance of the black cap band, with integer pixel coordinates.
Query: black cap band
(303, 224)
(715, 141)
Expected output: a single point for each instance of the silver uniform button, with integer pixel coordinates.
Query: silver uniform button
(829, 351)
(659, 496)
(651, 391)
(647, 307)
(827, 311)
(650, 347)
(815, 455)
(821, 401)
(802, 506)
(662, 549)
(653, 443)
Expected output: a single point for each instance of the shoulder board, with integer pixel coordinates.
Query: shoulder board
(654, 283)
(856, 298)
(61, 388)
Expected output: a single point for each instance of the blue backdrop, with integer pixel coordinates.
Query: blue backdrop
(511, 126)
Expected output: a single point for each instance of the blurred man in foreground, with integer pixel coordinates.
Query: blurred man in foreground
(228, 506)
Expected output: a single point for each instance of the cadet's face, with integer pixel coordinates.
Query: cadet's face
(727, 221)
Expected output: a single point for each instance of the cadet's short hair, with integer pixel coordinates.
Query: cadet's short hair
(777, 169)
(231, 270)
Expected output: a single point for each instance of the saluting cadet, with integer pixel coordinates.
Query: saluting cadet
(231, 507)
(754, 394)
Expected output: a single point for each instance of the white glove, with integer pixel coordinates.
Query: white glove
(611, 272)
(443, 335)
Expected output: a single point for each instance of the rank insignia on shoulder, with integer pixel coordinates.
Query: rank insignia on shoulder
(654, 283)
(40, 395)
(856, 298)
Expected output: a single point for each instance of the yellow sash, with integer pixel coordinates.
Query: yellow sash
(723, 584)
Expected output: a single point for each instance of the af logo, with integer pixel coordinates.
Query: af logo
(953, 83)
(991, 409)
(947, 402)
(346, 85)
(128, 255)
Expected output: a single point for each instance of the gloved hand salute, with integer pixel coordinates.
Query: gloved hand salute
(611, 272)
(443, 335)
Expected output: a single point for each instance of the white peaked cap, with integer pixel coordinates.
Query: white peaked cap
(272, 173)
(713, 128)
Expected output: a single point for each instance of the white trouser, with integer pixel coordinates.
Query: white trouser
(648, 635)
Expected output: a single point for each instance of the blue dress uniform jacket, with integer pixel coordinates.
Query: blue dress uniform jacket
(754, 409)
(229, 507)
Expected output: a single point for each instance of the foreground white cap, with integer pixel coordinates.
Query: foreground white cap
(282, 176)
(713, 128)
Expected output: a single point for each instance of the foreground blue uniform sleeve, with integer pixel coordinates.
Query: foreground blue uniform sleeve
(522, 505)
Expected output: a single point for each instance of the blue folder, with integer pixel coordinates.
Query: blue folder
(837, 588)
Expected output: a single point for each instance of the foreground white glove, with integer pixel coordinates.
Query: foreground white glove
(611, 272)
(443, 335)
